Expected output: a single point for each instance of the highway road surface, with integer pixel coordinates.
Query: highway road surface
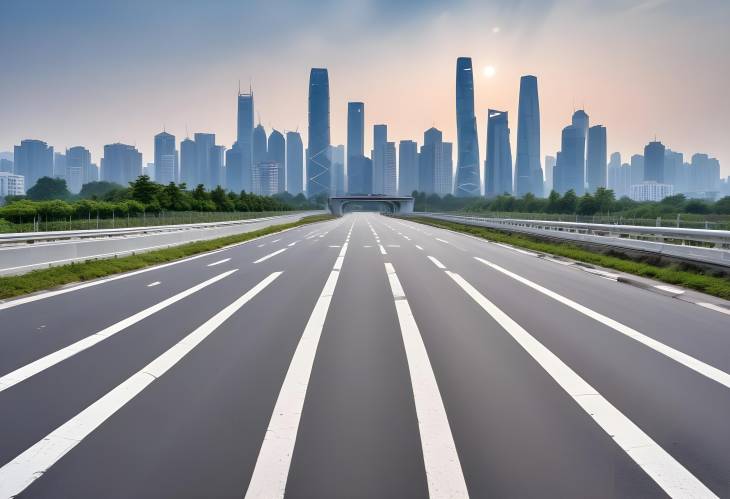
(364, 357)
(21, 258)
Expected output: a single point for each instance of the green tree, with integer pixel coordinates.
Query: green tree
(97, 190)
(144, 190)
(604, 199)
(587, 205)
(48, 188)
(722, 206)
(569, 202)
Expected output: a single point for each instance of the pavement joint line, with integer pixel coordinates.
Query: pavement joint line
(271, 471)
(14, 302)
(656, 462)
(153, 284)
(682, 358)
(39, 365)
(435, 261)
(444, 475)
(218, 262)
(31, 464)
(270, 255)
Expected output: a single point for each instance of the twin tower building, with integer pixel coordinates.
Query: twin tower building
(429, 171)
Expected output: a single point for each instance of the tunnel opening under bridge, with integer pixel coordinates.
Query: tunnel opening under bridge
(339, 205)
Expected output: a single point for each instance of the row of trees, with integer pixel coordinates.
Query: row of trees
(47, 200)
(603, 201)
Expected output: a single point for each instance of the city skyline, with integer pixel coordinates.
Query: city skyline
(133, 111)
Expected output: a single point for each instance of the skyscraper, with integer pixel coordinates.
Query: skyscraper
(380, 139)
(188, 161)
(408, 167)
(203, 144)
(318, 167)
(234, 169)
(165, 158)
(277, 154)
(121, 164)
(468, 182)
(390, 170)
(569, 172)
(59, 165)
(637, 169)
(78, 163)
(549, 177)
(435, 164)
(356, 174)
(654, 162)
(673, 162)
(596, 158)
(33, 159)
(216, 172)
(244, 142)
(498, 165)
(260, 147)
(528, 172)
(294, 163)
(337, 170)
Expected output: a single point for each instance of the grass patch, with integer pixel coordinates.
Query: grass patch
(682, 275)
(38, 280)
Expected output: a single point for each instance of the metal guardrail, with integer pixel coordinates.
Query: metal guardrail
(31, 237)
(695, 245)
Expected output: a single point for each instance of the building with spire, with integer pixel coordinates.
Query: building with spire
(468, 181)
(528, 172)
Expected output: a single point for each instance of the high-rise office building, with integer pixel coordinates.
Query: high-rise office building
(654, 162)
(498, 164)
(435, 164)
(216, 168)
(705, 176)
(165, 158)
(380, 139)
(59, 165)
(407, 167)
(614, 180)
(188, 161)
(569, 171)
(7, 166)
(243, 157)
(549, 169)
(528, 172)
(265, 178)
(294, 163)
(260, 145)
(337, 170)
(33, 159)
(637, 169)
(673, 162)
(359, 180)
(203, 144)
(318, 167)
(234, 169)
(277, 154)
(468, 182)
(596, 158)
(121, 164)
(78, 167)
(390, 170)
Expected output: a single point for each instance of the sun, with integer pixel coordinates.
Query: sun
(489, 71)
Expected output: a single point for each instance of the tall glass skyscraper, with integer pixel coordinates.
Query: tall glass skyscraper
(294, 163)
(33, 160)
(528, 172)
(498, 165)
(277, 154)
(244, 143)
(165, 158)
(380, 140)
(654, 162)
(408, 167)
(468, 182)
(569, 172)
(357, 177)
(596, 158)
(318, 163)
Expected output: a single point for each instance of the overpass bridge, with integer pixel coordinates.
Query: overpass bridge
(340, 205)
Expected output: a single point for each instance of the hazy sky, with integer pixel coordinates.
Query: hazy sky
(90, 72)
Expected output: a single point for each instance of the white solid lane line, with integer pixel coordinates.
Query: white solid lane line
(436, 262)
(270, 255)
(440, 458)
(37, 366)
(219, 262)
(153, 284)
(272, 465)
(19, 473)
(518, 250)
(669, 474)
(686, 360)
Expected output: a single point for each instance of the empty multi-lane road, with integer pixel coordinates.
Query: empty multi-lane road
(364, 357)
